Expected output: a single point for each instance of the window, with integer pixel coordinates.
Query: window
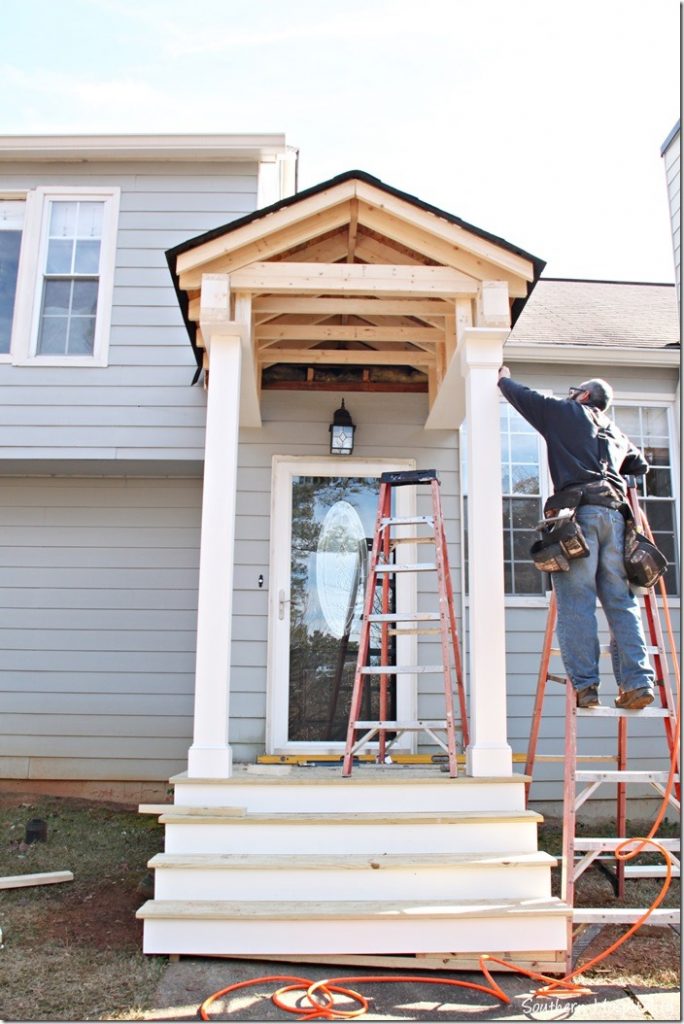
(648, 426)
(11, 225)
(523, 486)
(66, 274)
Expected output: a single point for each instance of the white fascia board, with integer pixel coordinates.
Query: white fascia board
(141, 147)
(590, 354)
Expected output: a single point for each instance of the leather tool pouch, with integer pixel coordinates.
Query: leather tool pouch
(644, 562)
(561, 539)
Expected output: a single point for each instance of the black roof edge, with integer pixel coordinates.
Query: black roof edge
(208, 236)
(670, 137)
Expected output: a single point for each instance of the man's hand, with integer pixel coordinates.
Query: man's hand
(504, 372)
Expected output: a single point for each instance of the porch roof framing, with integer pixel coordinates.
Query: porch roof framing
(352, 273)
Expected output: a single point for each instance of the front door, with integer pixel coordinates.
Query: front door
(322, 529)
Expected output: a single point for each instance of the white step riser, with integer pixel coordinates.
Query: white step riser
(398, 935)
(341, 798)
(374, 839)
(450, 884)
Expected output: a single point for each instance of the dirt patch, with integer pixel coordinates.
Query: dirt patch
(101, 919)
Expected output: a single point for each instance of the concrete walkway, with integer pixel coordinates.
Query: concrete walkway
(190, 981)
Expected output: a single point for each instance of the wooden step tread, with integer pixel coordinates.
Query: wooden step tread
(268, 910)
(356, 818)
(364, 775)
(650, 870)
(405, 617)
(623, 915)
(200, 811)
(389, 567)
(313, 861)
(391, 670)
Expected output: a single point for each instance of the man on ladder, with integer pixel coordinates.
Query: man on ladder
(588, 458)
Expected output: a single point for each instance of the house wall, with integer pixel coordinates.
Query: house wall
(98, 578)
(140, 406)
(671, 158)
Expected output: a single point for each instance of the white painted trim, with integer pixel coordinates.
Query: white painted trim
(590, 354)
(141, 147)
(284, 469)
(30, 276)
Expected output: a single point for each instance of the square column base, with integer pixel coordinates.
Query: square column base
(489, 760)
(210, 762)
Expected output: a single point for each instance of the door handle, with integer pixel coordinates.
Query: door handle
(282, 601)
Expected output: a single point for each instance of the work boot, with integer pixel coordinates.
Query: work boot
(588, 697)
(634, 700)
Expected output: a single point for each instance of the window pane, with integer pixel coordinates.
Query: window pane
(10, 242)
(81, 335)
(56, 298)
(63, 219)
(524, 448)
(52, 338)
(655, 422)
(658, 483)
(525, 514)
(659, 514)
(85, 298)
(525, 479)
(87, 257)
(59, 257)
(629, 420)
(90, 220)
(528, 580)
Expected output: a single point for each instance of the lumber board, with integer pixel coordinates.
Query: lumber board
(353, 278)
(542, 961)
(42, 878)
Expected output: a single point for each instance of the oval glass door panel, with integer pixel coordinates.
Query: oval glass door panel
(332, 531)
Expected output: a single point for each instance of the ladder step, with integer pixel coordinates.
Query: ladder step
(408, 617)
(407, 521)
(623, 915)
(391, 670)
(650, 871)
(411, 540)
(610, 842)
(402, 726)
(607, 712)
(415, 567)
(623, 776)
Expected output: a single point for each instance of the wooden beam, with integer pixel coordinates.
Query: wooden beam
(271, 244)
(353, 279)
(372, 250)
(438, 227)
(42, 878)
(353, 230)
(340, 332)
(346, 357)
(445, 252)
(353, 306)
(288, 217)
(328, 250)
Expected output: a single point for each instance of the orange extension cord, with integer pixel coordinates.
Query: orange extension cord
(321, 994)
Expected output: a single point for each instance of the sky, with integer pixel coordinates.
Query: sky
(540, 121)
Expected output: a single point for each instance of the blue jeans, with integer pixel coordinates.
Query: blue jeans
(600, 575)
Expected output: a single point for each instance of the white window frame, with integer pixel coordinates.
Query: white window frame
(15, 197)
(30, 276)
(670, 404)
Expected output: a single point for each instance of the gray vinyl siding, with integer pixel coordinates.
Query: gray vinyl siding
(141, 406)
(98, 615)
(671, 159)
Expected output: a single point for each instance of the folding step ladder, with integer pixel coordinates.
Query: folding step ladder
(590, 849)
(383, 565)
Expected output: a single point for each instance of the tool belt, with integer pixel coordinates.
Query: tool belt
(561, 538)
(644, 562)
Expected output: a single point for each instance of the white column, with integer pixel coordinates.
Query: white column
(210, 755)
(489, 752)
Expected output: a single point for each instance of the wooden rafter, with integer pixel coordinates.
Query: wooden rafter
(356, 357)
(352, 230)
(341, 332)
(353, 279)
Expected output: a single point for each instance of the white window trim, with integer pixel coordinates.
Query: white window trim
(30, 274)
(19, 197)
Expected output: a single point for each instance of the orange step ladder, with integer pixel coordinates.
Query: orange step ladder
(383, 565)
(591, 849)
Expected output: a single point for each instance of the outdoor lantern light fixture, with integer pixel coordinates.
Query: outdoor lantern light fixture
(341, 432)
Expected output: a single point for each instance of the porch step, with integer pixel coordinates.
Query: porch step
(374, 789)
(353, 833)
(217, 927)
(312, 877)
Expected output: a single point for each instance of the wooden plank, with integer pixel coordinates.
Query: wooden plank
(431, 223)
(347, 862)
(338, 332)
(304, 212)
(353, 278)
(192, 811)
(42, 878)
(360, 818)
(353, 357)
(624, 915)
(354, 306)
(542, 961)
